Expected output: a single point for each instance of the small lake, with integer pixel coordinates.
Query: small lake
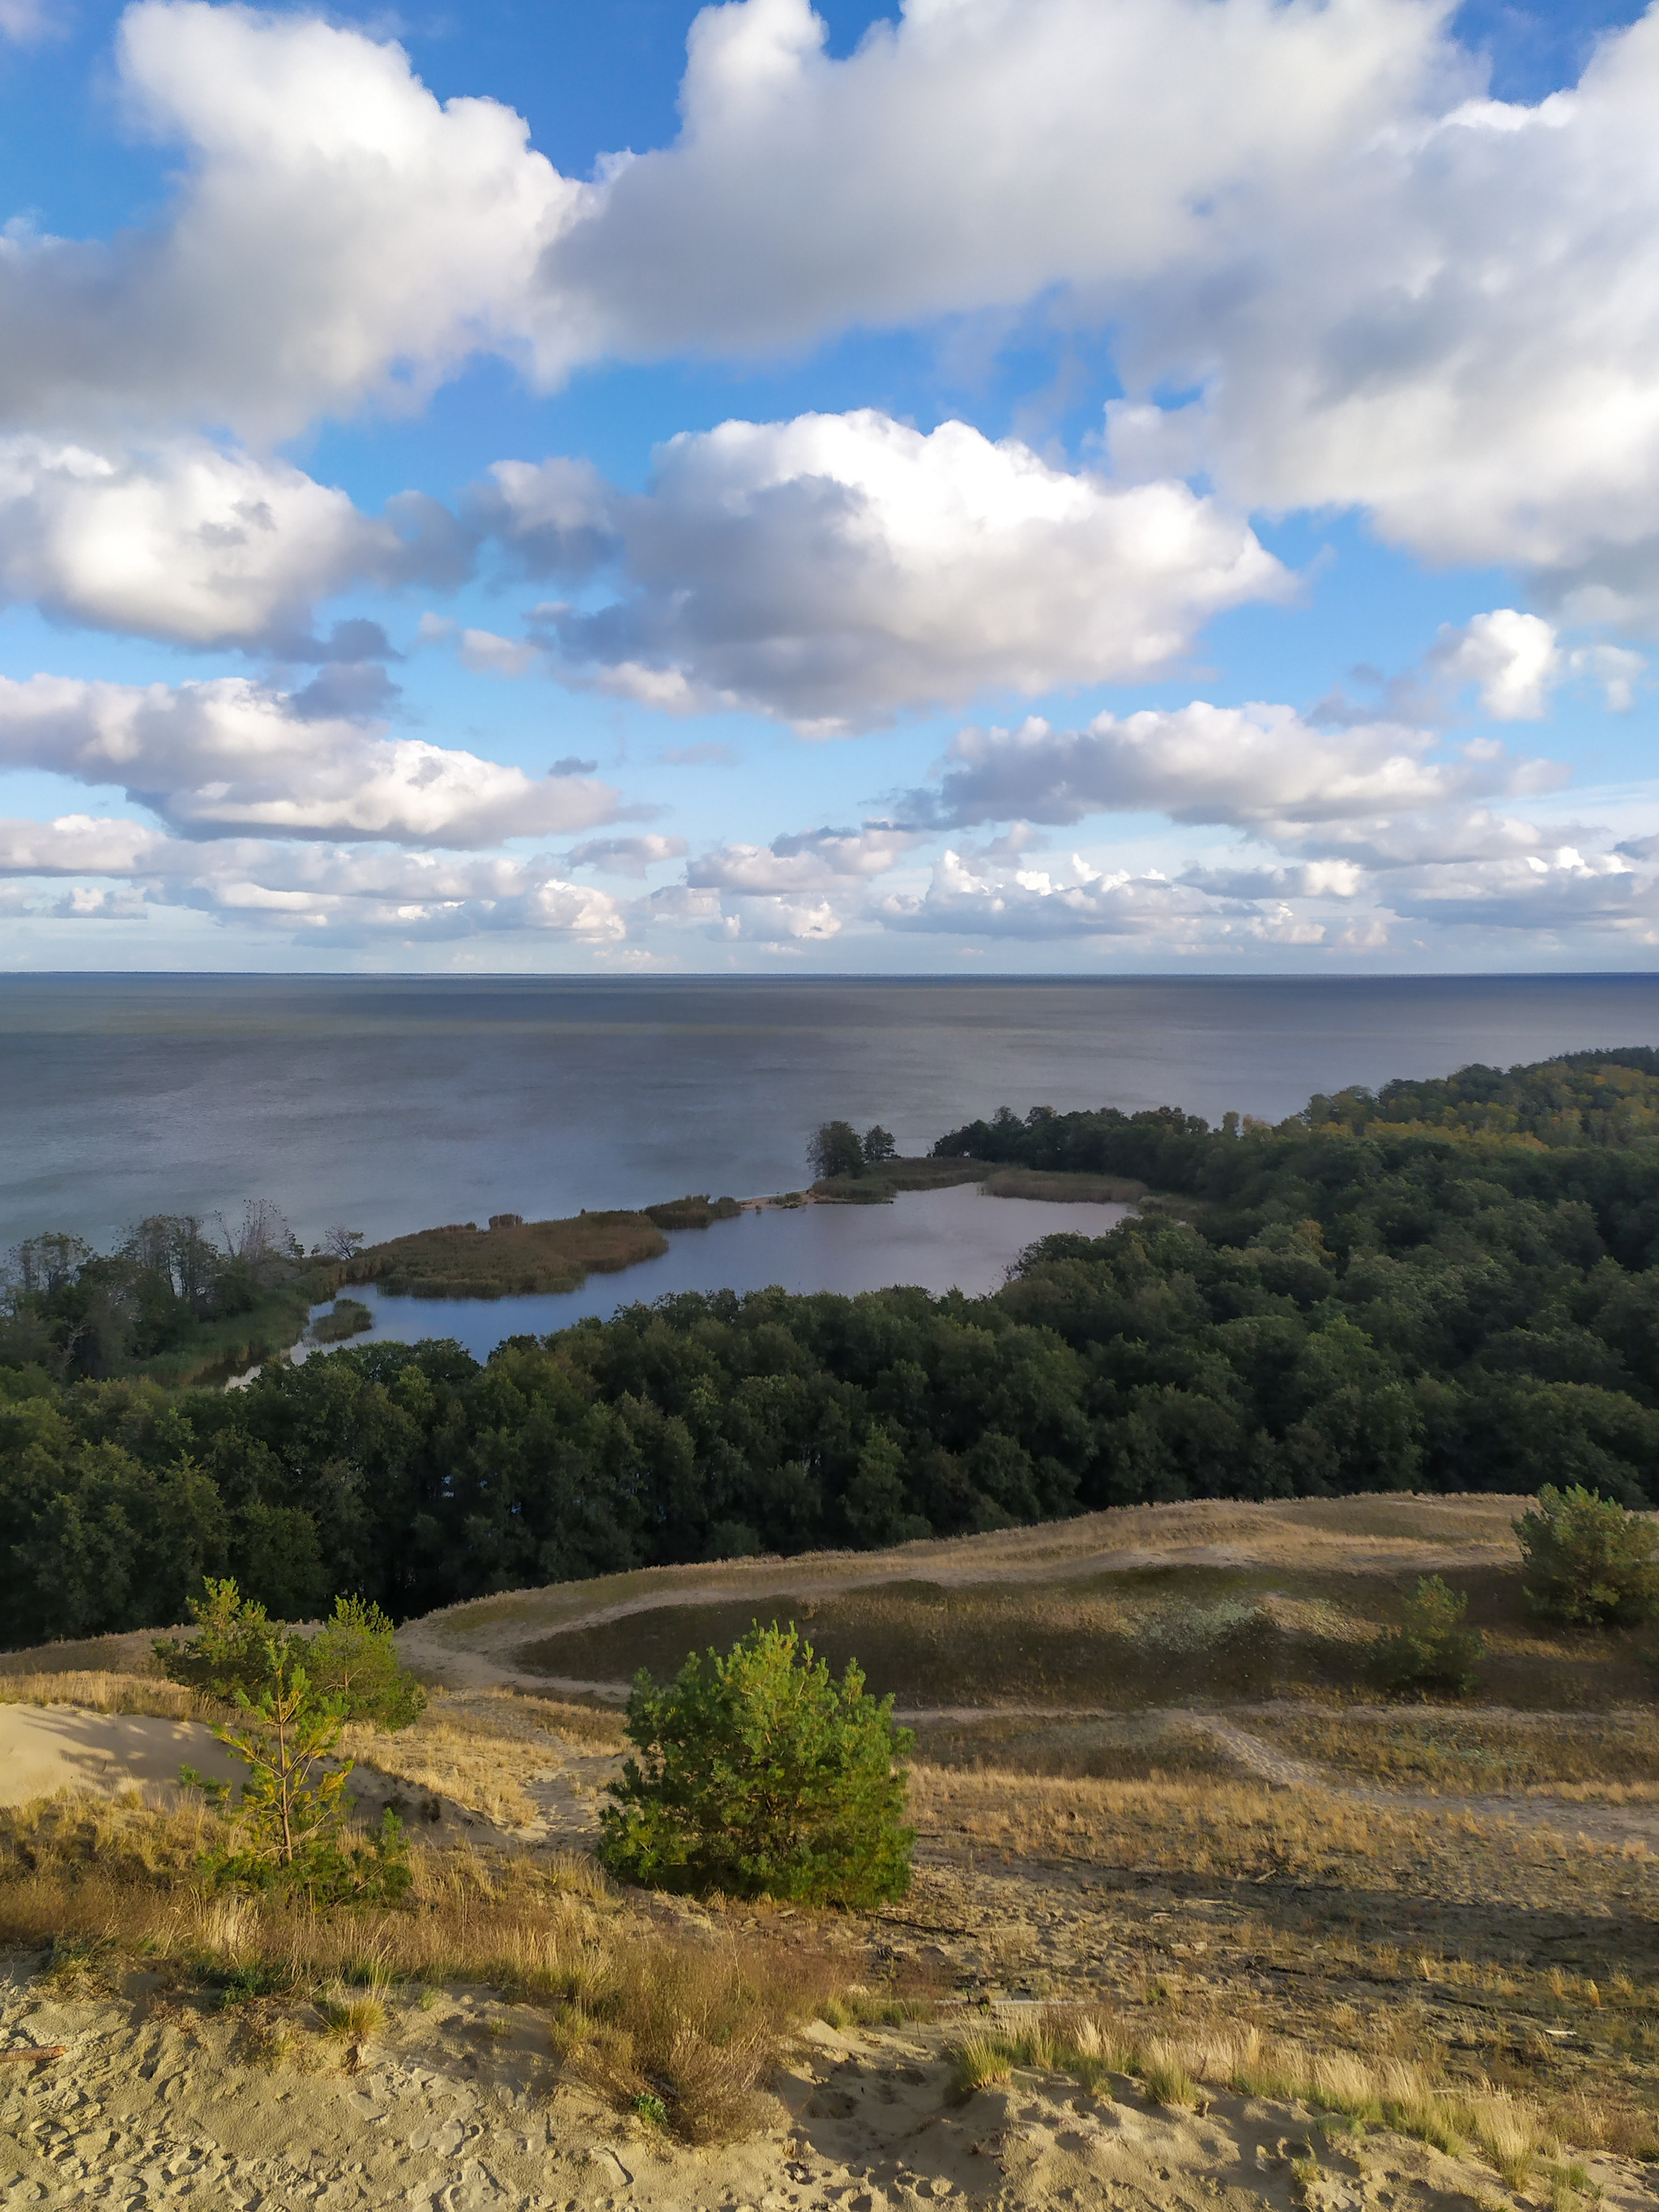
(941, 1240)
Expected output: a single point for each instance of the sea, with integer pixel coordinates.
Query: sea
(388, 1103)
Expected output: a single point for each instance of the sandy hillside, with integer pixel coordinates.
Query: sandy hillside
(458, 2106)
(46, 1749)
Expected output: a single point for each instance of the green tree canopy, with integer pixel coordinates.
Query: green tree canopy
(759, 1775)
(834, 1148)
(1587, 1560)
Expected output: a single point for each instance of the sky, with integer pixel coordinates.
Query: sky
(977, 486)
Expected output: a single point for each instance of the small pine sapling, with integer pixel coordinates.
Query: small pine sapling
(289, 1819)
(354, 1660)
(1431, 1649)
(760, 1775)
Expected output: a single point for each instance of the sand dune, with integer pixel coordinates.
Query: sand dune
(46, 1748)
(460, 2106)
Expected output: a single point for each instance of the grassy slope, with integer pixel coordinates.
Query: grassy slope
(1148, 1606)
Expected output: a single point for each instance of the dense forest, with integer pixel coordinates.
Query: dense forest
(1447, 1285)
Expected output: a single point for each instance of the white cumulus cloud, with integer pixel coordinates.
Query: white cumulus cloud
(1261, 767)
(339, 236)
(1512, 657)
(967, 156)
(835, 569)
(227, 755)
(347, 895)
(199, 546)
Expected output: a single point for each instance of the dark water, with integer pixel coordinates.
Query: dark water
(392, 1103)
(943, 1240)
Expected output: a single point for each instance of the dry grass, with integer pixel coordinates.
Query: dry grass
(129, 1651)
(104, 1692)
(692, 2026)
(481, 1749)
(1093, 2042)
(1111, 1749)
(931, 1644)
(1475, 1753)
(694, 2020)
(1195, 1826)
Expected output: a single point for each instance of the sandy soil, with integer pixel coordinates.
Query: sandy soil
(461, 2106)
(46, 1749)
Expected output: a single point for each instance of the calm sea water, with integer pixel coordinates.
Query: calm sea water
(392, 1103)
(943, 1240)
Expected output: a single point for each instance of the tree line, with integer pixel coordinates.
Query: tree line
(1450, 1290)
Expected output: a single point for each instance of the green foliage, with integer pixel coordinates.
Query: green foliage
(167, 1299)
(289, 1823)
(354, 1662)
(760, 1775)
(346, 1317)
(877, 1146)
(834, 1148)
(1588, 1561)
(1432, 1650)
(230, 1650)
(1413, 1292)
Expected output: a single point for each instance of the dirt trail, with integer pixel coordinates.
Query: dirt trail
(476, 1645)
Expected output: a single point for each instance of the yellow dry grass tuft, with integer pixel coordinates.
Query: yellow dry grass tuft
(1092, 2043)
(103, 1692)
(694, 2020)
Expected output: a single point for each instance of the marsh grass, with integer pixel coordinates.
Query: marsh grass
(460, 1260)
(1042, 1182)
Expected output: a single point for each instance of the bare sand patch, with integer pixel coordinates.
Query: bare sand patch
(461, 2104)
(45, 1749)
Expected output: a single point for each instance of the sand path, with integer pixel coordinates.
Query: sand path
(477, 1645)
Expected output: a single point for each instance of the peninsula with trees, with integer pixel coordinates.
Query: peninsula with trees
(1446, 1286)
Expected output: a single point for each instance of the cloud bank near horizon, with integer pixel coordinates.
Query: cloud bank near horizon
(1313, 268)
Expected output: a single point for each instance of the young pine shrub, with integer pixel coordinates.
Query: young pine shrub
(759, 1775)
(355, 1661)
(1431, 1650)
(1589, 1562)
(288, 1828)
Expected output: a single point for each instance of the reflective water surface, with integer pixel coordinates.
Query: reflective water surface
(389, 1103)
(942, 1239)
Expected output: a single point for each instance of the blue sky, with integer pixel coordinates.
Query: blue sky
(992, 486)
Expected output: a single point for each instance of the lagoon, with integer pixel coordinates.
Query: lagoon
(941, 1240)
(388, 1103)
